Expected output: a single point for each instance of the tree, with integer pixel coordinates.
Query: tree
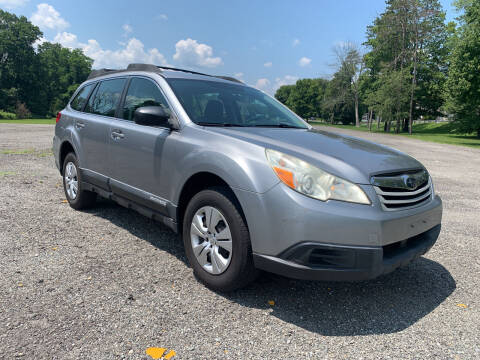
(463, 84)
(305, 97)
(283, 93)
(392, 108)
(17, 59)
(339, 99)
(428, 55)
(60, 71)
(350, 63)
(41, 80)
(410, 35)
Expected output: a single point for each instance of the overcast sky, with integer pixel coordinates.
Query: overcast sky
(265, 43)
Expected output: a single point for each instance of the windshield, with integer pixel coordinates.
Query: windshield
(214, 103)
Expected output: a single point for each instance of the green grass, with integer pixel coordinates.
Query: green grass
(18, 152)
(6, 173)
(441, 133)
(39, 153)
(28, 121)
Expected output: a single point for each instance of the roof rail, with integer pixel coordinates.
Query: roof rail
(143, 67)
(182, 70)
(153, 68)
(229, 78)
(100, 72)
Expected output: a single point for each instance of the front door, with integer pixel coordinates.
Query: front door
(135, 150)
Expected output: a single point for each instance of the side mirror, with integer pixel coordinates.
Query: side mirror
(152, 116)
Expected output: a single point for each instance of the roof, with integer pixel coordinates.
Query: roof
(168, 72)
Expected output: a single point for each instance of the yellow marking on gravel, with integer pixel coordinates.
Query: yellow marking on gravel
(271, 302)
(170, 355)
(463, 306)
(64, 201)
(20, 285)
(155, 352)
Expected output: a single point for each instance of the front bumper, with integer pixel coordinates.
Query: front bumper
(315, 261)
(285, 224)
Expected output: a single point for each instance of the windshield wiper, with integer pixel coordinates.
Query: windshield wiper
(217, 124)
(281, 125)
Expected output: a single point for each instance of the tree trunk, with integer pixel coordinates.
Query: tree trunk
(357, 120)
(414, 77)
(378, 122)
(478, 133)
(387, 126)
(370, 119)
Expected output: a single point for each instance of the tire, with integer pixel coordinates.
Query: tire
(240, 270)
(81, 199)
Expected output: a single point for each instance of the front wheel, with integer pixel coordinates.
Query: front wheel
(217, 241)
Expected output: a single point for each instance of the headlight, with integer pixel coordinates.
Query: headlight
(312, 181)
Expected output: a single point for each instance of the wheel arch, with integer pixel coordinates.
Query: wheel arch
(196, 183)
(65, 148)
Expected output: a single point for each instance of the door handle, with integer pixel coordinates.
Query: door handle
(117, 134)
(79, 125)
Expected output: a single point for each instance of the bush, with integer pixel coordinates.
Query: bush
(22, 111)
(7, 115)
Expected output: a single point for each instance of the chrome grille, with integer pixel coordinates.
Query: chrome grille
(403, 191)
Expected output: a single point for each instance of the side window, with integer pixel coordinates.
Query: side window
(106, 97)
(81, 98)
(142, 92)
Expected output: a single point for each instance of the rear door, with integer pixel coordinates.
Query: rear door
(135, 150)
(94, 130)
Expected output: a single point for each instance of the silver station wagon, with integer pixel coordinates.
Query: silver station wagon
(247, 183)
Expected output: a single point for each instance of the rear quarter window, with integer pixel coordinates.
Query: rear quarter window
(81, 98)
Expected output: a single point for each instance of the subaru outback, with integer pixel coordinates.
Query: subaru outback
(247, 183)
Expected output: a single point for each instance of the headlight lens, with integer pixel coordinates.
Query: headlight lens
(312, 181)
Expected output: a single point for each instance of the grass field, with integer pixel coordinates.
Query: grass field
(28, 121)
(434, 132)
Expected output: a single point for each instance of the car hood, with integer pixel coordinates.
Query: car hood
(348, 157)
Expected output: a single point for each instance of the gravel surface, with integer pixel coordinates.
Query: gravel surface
(109, 283)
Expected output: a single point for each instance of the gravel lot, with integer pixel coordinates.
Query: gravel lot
(108, 283)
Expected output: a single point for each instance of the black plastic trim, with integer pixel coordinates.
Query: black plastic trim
(359, 262)
(128, 203)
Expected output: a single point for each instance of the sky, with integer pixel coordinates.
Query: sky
(264, 43)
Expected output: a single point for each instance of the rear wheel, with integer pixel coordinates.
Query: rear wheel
(77, 197)
(217, 241)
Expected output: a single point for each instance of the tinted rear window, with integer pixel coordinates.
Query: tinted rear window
(81, 98)
(106, 97)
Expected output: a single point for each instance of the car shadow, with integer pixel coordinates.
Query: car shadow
(388, 304)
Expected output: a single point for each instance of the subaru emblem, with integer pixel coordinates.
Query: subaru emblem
(411, 182)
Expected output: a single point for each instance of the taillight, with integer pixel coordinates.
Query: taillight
(59, 115)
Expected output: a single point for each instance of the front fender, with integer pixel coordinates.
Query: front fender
(246, 172)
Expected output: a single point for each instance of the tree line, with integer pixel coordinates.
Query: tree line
(415, 66)
(35, 78)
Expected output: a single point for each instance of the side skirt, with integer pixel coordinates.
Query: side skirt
(129, 204)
